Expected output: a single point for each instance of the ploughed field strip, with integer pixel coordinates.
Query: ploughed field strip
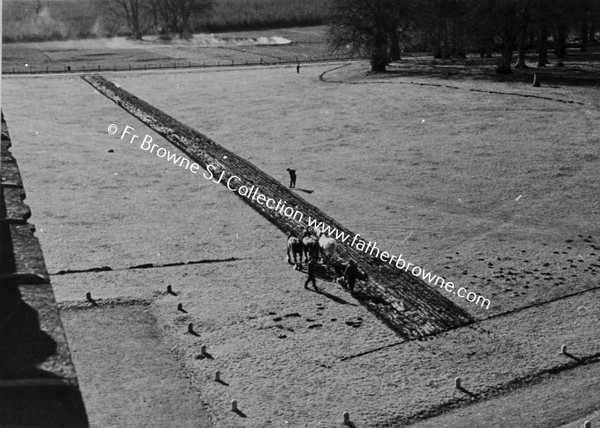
(403, 302)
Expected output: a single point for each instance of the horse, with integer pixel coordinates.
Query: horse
(294, 245)
(310, 243)
(327, 246)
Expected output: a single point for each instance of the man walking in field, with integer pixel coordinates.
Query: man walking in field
(310, 270)
(292, 173)
(351, 274)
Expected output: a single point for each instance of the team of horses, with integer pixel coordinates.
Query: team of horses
(313, 244)
(316, 245)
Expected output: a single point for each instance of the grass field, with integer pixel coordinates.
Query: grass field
(470, 179)
(265, 47)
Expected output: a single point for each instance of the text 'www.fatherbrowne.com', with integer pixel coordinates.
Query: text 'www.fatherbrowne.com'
(372, 249)
(236, 184)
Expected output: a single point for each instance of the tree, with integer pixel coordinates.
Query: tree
(589, 15)
(524, 23)
(447, 26)
(176, 14)
(508, 12)
(542, 21)
(365, 26)
(130, 11)
(394, 54)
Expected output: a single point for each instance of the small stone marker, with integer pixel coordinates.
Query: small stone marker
(89, 298)
(180, 307)
(536, 80)
(346, 418)
(587, 424)
(234, 406)
(563, 349)
(217, 376)
(170, 290)
(203, 349)
(191, 328)
(457, 383)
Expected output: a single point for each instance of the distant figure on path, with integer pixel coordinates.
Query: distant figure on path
(292, 177)
(310, 270)
(351, 274)
(298, 68)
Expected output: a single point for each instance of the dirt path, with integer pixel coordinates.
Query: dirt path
(128, 376)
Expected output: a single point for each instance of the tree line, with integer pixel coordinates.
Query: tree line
(168, 17)
(382, 29)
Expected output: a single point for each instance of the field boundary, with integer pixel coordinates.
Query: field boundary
(392, 80)
(178, 65)
(493, 392)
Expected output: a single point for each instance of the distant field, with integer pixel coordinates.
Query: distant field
(303, 44)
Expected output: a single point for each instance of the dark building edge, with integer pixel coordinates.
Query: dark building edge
(38, 382)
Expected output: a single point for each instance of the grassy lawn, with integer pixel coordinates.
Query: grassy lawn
(469, 179)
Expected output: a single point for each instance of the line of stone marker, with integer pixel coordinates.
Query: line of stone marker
(191, 329)
(234, 405)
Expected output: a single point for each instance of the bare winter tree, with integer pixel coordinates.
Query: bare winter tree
(523, 31)
(446, 24)
(364, 25)
(176, 15)
(543, 16)
(131, 12)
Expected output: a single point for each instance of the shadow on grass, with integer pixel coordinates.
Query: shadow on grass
(303, 190)
(574, 358)
(240, 413)
(469, 393)
(577, 72)
(333, 297)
